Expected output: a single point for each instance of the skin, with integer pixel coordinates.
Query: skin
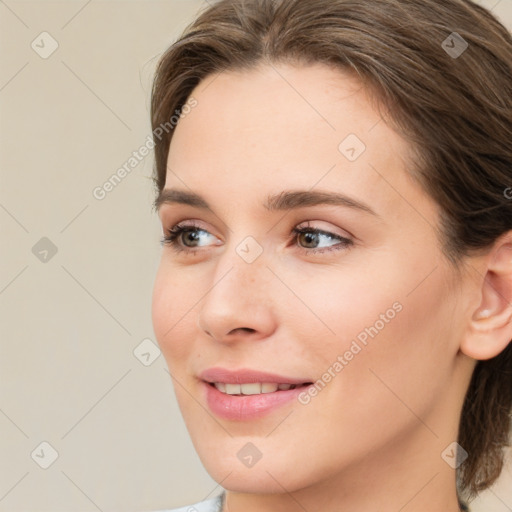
(372, 439)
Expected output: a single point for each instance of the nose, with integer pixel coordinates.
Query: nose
(238, 304)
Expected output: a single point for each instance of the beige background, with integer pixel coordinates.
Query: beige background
(72, 320)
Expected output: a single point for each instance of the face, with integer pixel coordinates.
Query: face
(359, 302)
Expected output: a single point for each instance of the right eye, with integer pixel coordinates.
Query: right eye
(181, 235)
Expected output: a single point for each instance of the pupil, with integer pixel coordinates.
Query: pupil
(311, 238)
(191, 236)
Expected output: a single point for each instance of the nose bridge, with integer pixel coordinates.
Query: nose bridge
(238, 296)
(241, 270)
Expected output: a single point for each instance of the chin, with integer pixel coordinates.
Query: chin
(270, 476)
(252, 481)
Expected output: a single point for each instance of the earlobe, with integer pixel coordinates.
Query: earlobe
(482, 313)
(490, 327)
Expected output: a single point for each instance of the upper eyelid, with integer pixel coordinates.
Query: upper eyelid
(166, 212)
(192, 226)
(195, 223)
(330, 231)
(173, 235)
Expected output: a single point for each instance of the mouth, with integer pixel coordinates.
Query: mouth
(254, 388)
(247, 394)
(252, 401)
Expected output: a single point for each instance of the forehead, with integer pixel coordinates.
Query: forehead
(288, 127)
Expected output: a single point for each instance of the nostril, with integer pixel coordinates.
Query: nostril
(246, 329)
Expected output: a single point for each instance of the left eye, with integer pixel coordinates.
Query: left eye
(312, 238)
(187, 237)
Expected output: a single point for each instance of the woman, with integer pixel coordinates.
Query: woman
(334, 294)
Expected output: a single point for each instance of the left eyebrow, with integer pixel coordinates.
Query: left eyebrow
(290, 200)
(284, 201)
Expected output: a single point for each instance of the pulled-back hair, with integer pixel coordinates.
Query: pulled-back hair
(451, 103)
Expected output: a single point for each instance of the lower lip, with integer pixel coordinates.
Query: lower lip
(248, 407)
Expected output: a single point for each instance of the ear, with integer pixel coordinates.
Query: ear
(490, 325)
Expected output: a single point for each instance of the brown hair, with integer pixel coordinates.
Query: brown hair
(455, 110)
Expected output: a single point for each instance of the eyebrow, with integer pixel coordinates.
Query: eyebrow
(284, 201)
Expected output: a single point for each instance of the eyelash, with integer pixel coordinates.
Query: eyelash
(172, 239)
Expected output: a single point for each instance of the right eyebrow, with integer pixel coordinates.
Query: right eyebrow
(284, 201)
(175, 196)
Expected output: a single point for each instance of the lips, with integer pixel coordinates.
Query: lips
(247, 407)
(225, 392)
(253, 388)
(248, 376)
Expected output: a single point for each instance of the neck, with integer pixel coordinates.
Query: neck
(407, 476)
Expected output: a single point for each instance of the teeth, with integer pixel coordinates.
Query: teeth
(221, 386)
(250, 389)
(269, 388)
(232, 389)
(254, 388)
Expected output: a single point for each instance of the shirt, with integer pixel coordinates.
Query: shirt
(211, 505)
(215, 505)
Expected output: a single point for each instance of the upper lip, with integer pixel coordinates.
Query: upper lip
(246, 376)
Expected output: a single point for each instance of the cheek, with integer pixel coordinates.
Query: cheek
(342, 310)
(172, 310)
(391, 327)
(397, 347)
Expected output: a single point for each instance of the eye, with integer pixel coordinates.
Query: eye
(312, 238)
(185, 237)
